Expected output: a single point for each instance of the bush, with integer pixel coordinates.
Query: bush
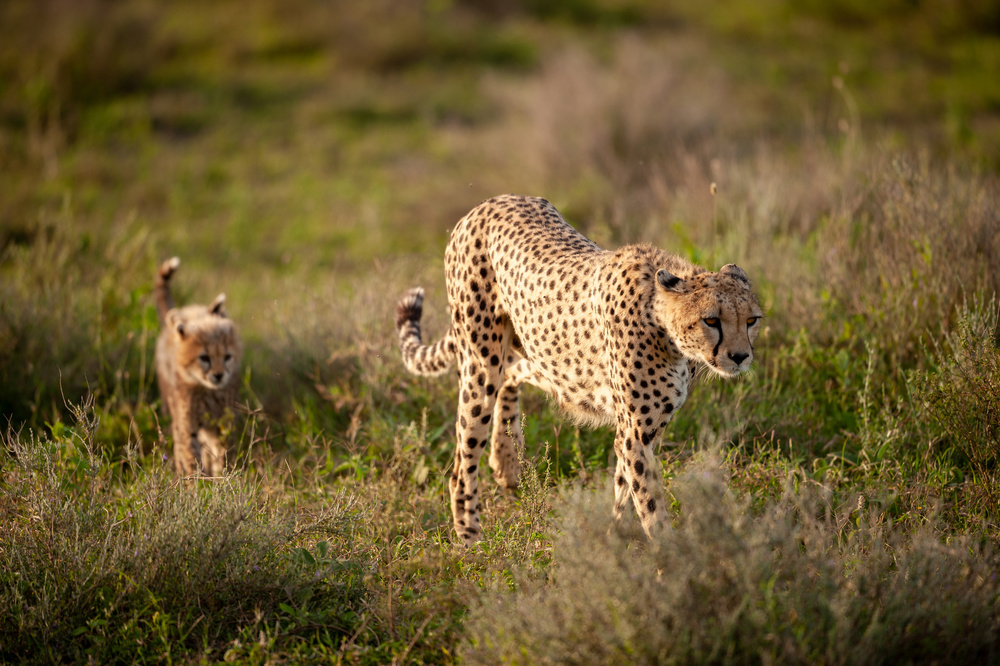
(803, 581)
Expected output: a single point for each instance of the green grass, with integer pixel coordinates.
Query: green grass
(309, 161)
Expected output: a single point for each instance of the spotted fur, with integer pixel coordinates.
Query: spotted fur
(614, 336)
(198, 356)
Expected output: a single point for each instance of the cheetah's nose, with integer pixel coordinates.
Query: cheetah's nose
(738, 358)
(217, 377)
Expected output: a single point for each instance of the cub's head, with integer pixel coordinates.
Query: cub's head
(713, 318)
(207, 344)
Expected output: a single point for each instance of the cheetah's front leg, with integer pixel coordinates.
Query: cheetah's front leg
(623, 493)
(637, 476)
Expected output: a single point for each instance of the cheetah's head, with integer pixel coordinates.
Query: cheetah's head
(208, 344)
(713, 318)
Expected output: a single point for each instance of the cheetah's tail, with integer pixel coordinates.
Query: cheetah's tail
(161, 287)
(420, 359)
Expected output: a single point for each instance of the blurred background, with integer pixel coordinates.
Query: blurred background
(309, 157)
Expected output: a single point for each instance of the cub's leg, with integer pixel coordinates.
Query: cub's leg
(187, 448)
(213, 452)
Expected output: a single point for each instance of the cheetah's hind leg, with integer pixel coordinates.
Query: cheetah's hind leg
(507, 441)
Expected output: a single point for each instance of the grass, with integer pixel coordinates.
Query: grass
(118, 560)
(836, 505)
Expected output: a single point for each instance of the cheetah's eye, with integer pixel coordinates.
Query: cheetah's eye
(204, 358)
(711, 321)
(752, 320)
(229, 357)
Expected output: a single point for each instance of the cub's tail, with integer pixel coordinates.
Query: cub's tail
(420, 359)
(161, 287)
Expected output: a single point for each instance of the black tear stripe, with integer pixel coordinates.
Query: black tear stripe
(715, 352)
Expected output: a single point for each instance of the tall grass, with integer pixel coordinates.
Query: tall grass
(962, 394)
(74, 314)
(108, 560)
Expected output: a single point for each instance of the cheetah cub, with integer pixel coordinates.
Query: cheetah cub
(198, 356)
(614, 336)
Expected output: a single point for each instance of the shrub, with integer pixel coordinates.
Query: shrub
(800, 582)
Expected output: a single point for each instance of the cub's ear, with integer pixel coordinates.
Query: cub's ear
(218, 306)
(669, 281)
(735, 272)
(174, 321)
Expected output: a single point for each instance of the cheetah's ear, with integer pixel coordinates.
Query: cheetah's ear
(735, 272)
(218, 306)
(669, 281)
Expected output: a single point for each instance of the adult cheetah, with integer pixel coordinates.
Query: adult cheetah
(614, 336)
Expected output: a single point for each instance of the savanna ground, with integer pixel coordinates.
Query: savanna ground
(839, 505)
